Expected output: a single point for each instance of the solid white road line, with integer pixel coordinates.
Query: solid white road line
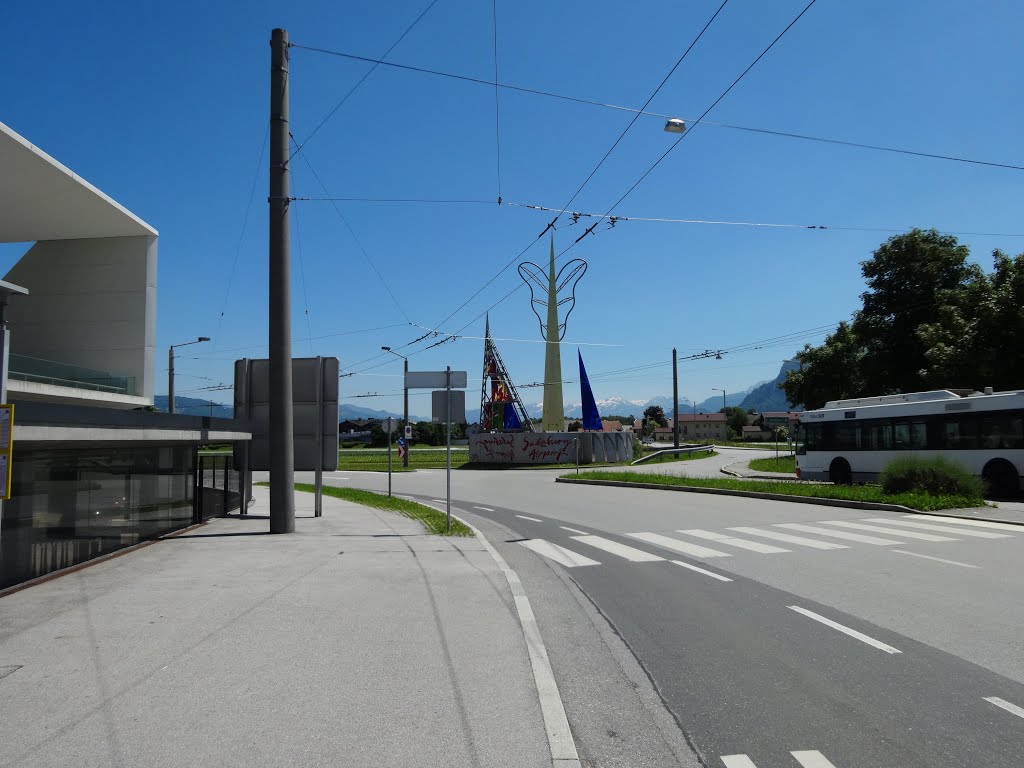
(440, 501)
(859, 537)
(560, 555)
(721, 538)
(633, 555)
(939, 528)
(938, 559)
(701, 570)
(531, 519)
(572, 530)
(845, 630)
(973, 523)
(811, 758)
(890, 531)
(485, 509)
(560, 741)
(790, 538)
(1003, 704)
(684, 547)
(737, 761)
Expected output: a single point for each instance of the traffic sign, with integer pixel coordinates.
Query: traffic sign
(435, 379)
(408, 431)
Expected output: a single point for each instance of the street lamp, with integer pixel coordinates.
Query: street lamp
(675, 125)
(405, 389)
(724, 414)
(170, 369)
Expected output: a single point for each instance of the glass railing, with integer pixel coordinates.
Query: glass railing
(25, 368)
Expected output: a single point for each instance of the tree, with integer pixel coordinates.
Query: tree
(913, 280)
(656, 414)
(735, 418)
(575, 426)
(829, 372)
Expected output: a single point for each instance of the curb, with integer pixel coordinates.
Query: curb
(875, 505)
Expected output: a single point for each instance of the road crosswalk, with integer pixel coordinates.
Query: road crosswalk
(880, 532)
(807, 758)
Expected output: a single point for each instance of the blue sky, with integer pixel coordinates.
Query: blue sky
(164, 107)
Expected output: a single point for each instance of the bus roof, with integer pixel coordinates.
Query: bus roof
(915, 403)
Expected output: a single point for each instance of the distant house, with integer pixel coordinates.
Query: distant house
(611, 425)
(354, 426)
(696, 427)
(753, 432)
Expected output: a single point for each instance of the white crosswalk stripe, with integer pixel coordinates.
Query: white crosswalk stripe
(971, 523)
(683, 547)
(808, 758)
(560, 555)
(613, 547)
(939, 528)
(732, 541)
(845, 535)
(789, 538)
(812, 758)
(737, 761)
(890, 531)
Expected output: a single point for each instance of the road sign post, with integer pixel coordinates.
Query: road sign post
(448, 450)
(389, 425)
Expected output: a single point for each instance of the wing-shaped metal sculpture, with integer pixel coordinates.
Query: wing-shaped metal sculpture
(545, 287)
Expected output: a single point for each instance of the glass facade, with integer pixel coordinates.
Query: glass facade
(69, 505)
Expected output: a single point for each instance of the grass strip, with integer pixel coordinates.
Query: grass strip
(665, 459)
(374, 460)
(871, 493)
(780, 464)
(433, 520)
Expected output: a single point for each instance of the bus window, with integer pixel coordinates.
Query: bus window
(959, 433)
(910, 435)
(877, 435)
(812, 437)
(1002, 430)
(847, 437)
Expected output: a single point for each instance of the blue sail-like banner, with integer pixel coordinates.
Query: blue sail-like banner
(591, 418)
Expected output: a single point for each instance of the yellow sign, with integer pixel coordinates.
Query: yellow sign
(6, 447)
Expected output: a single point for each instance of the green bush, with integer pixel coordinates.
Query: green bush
(638, 448)
(936, 476)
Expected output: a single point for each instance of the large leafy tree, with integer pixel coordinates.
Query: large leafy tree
(656, 414)
(914, 280)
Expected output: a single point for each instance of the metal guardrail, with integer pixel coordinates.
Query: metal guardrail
(673, 451)
(26, 368)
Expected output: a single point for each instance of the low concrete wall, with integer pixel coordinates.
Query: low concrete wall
(550, 447)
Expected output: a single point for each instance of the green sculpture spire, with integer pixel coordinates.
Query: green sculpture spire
(554, 408)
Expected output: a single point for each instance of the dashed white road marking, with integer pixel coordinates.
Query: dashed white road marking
(974, 523)
(560, 555)
(440, 501)
(858, 537)
(937, 559)
(814, 543)
(940, 528)
(811, 758)
(683, 547)
(701, 570)
(531, 519)
(485, 509)
(845, 630)
(890, 531)
(631, 554)
(732, 541)
(1004, 704)
(572, 530)
(737, 761)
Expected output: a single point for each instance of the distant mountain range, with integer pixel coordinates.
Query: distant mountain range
(193, 406)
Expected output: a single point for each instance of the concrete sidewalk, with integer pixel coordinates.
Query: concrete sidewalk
(358, 641)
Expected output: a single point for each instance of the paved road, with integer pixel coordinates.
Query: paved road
(776, 634)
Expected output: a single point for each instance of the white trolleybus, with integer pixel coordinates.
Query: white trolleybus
(853, 440)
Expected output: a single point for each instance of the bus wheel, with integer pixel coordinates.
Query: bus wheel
(1002, 479)
(839, 472)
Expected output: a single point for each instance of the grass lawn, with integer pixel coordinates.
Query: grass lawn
(432, 520)
(846, 492)
(668, 458)
(665, 459)
(377, 460)
(781, 464)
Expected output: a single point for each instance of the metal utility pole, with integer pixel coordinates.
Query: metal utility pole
(282, 448)
(405, 389)
(448, 448)
(675, 400)
(170, 370)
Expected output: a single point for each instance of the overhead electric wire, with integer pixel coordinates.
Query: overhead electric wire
(344, 221)
(369, 72)
(636, 117)
(665, 116)
(771, 225)
(302, 275)
(241, 237)
(391, 200)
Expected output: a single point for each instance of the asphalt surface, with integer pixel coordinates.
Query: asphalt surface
(762, 666)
